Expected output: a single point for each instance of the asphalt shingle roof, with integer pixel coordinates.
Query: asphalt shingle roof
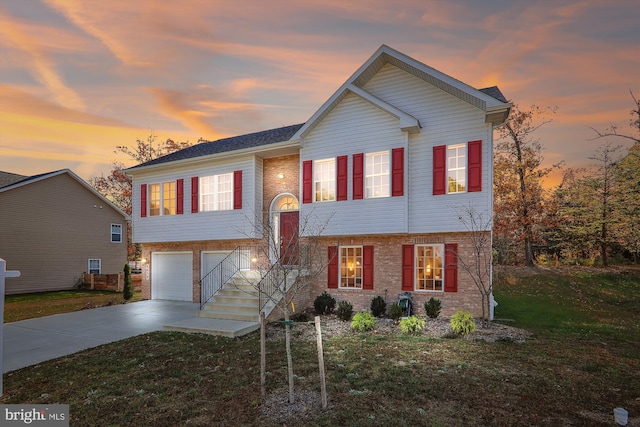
(251, 140)
(494, 92)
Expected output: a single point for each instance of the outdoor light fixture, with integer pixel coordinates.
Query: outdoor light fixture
(281, 175)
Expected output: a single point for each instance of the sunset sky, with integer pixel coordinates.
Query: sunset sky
(79, 77)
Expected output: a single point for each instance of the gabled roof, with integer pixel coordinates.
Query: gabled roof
(252, 140)
(482, 99)
(47, 175)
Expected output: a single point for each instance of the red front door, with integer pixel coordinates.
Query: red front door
(289, 222)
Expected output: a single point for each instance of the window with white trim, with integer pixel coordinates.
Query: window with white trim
(457, 168)
(94, 266)
(324, 180)
(351, 267)
(162, 199)
(429, 270)
(216, 192)
(116, 233)
(377, 175)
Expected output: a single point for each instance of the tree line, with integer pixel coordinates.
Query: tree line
(593, 215)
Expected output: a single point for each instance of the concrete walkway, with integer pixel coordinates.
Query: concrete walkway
(32, 341)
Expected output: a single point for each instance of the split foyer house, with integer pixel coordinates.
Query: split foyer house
(389, 161)
(54, 227)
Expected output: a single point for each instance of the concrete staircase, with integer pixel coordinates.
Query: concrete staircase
(232, 312)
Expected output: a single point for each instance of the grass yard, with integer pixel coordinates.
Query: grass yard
(582, 361)
(28, 306)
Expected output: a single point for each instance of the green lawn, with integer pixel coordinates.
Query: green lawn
(582, 361)
(27, 306)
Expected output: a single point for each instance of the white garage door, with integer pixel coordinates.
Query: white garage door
(172, 276)
(210, 259)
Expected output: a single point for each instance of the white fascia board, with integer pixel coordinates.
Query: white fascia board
(408, 123)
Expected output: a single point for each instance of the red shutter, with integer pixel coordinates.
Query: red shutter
(474, 158)
(180, 196)
(143, 200)
(237, 189)
(440, 170)
(332, 268)
(451, 267)
(307, 181)
(397, 171)
(194, 194)
(358, 176)
(342, 177)
(367, 267)
(407, 267)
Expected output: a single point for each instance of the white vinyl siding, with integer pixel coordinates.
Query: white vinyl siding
(355, 126)
(203, 225)
(445, 120)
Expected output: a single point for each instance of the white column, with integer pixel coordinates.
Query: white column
(3, 274)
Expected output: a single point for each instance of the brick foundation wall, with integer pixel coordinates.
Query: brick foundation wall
(387, 272)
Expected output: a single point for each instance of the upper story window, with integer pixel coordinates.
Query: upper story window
(116, 233)
(457, 168)
(377, 175)
(324, 180)
(162, 199)
(216, 192)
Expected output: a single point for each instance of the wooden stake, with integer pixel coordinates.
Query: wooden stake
(323, 384)
(263, 358)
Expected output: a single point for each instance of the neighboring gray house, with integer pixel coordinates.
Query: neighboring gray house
(54, 227)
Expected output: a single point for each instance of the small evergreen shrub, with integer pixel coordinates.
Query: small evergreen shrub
(462, 323)
(378, 306)
(127, 292)
(412, 325)
(345, 310)
(324, 303)
(433, 307)
(395, 311)
(363, 321)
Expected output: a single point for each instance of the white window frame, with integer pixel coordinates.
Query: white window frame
(351, 273)
(216, 192)
(457, 168)
(377, 175)
(89, 269)
(118, 233)
(428, 271)
(166, 198)
(324, 180)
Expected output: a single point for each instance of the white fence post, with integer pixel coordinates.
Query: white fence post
(3, 273)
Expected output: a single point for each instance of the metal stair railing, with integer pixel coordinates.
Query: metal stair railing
(277, 277)
(214, 280)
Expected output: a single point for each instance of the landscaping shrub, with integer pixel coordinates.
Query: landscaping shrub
(462, 323)
(324, 303)
(433, 307)
(395, 311)
(378, 306)
(345, 310)
(127, 291)
(412, 325)
(363, 322)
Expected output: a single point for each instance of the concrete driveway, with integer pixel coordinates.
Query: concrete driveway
(32, 341)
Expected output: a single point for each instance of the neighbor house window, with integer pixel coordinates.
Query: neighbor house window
(94, 266)
(377, 175)
(216, 192)
(429, 272)
(116, 233)
(457, 168)
(324, 180)
(351, 266)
